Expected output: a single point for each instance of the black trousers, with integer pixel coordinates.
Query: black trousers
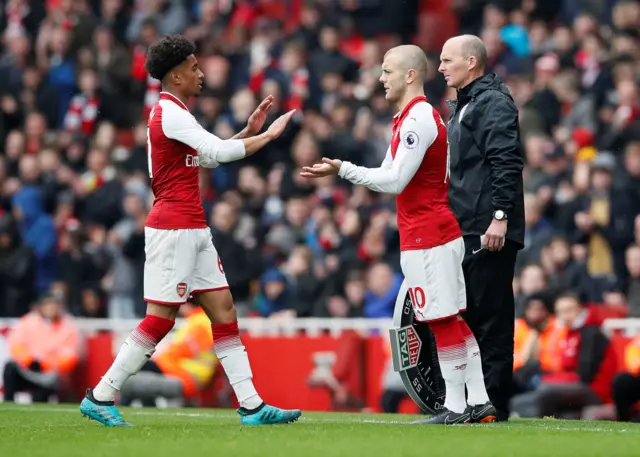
(391, 399)
(557, 400)
(14, 382)
(491, 315)
(626, 393)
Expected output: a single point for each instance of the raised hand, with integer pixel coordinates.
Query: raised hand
(259, 116)
(278, 126)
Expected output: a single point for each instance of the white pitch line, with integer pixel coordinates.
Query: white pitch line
(336, 420)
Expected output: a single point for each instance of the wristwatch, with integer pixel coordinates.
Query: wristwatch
(500, 215)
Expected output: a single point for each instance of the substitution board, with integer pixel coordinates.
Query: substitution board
(415, 357)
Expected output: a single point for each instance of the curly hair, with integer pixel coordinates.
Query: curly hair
(166, 54)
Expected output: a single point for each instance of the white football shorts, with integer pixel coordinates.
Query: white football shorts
(434, 280)
(178, 263)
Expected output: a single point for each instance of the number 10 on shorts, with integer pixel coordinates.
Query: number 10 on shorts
(418, 298)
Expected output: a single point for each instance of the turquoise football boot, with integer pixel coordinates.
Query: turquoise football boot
(104, 412)
(267, 415)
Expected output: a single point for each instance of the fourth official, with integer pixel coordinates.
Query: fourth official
(486, 196)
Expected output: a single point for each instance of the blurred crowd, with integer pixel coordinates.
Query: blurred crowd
(74, 186)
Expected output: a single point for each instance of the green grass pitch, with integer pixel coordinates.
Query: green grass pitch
(60, 431)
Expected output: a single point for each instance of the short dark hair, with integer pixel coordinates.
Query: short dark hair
(570, 295)
(168, 53)
(545, 297)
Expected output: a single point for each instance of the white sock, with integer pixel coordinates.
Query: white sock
(452, 355)
(235, 361)
(453, 366)
(474, 377)
(132, 356)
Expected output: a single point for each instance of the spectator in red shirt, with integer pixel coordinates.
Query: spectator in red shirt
(585, 369)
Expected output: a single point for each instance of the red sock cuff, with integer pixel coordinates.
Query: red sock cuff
(464, 327)
(152, 329)
(223, 331)
(447, 332)
(225, 337)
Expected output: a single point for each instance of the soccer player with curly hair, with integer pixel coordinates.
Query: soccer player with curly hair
(181, 260)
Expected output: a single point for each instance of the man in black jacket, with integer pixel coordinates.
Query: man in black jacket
(486, 196)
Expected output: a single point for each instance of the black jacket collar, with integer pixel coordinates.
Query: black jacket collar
(490, 81)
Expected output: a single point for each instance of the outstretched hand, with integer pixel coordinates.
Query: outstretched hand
(320, 170)
(278, 126)
(259, 116)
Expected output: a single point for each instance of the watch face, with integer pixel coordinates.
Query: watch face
(499, 214)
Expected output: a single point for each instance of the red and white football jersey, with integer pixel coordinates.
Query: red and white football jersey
(177, 146)
(416, 170)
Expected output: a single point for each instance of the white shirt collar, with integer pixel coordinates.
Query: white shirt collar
(175, 98)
